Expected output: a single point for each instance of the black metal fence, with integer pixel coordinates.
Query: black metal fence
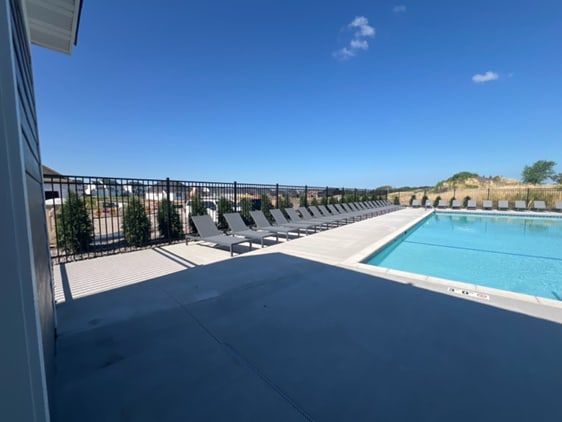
(550, 195)
(103, 204)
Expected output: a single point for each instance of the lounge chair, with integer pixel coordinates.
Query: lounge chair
(306, 218)
(208, 232)
(487, 204)
(345, 209)
(442, 204)
(333, 213)
(327, 217)
(520, 205)
(558, 206)
(428, 204)
(539, 205)
(455, 203)
(503, 204)
(471, 204)
(415, 203)
(262, 224)
(282, 221)
(238, 228)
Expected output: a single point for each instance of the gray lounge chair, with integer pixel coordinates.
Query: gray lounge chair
(442, 204)
(238, 228)
(306, 218)
(471, 204)
(208, 232)
(327, 217)
(333, 213)
(539, 205)
(415, 203)
(487, 204)
(428, 204)
(558, 206)
(503, 204)
(282, 221)
(455, 203)
(262, 224)
(520, 205)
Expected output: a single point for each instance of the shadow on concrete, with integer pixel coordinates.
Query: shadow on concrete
(275, 337)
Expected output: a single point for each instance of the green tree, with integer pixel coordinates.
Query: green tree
(196, 207)
(349, 197)
(136, 225)
(223, 207)
(266, 206)
(436, 201)
(538, 172)
(424, 199)
(396, 200)
(169, 222)
(314, 201)
(558, 178)
(245, 208)
(412, 199)
(75, 231)
(284, 202)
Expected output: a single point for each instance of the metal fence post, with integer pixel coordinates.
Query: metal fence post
(277, 195)
(235, 193)
(305, 195)
(169, 209)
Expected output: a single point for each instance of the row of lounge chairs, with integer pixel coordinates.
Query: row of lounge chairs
(487, 204)
(307, 220)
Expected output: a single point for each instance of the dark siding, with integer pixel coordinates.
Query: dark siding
(33, 182)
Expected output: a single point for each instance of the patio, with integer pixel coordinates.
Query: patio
(295, 331)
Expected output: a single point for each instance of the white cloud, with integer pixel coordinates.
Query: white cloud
(362, 31)
(485, 77)
(400, 8)
(359, 44)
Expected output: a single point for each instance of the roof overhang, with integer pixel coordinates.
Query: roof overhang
(53, 23)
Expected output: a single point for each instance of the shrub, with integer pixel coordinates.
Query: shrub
(465, 201)
(223, 207)
(314, 201)
(451, 201)
(436, 201)
(169, 222)
(136, 225)
(266, 206)
(396, 200)
(412, 199)
(284, 202)
(245, 208)
(75, 231)
(196, 207)
(424, 199)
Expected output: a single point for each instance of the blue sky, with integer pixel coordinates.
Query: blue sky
(354, 93)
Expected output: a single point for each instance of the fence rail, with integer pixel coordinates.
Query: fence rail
(90, 216)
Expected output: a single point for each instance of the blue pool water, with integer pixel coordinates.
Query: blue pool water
(518, 253)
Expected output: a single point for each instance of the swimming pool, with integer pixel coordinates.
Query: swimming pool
(517, 253)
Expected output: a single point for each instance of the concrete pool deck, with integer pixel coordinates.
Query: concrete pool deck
(296, 331)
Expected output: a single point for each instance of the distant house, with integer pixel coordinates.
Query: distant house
(56, 186)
